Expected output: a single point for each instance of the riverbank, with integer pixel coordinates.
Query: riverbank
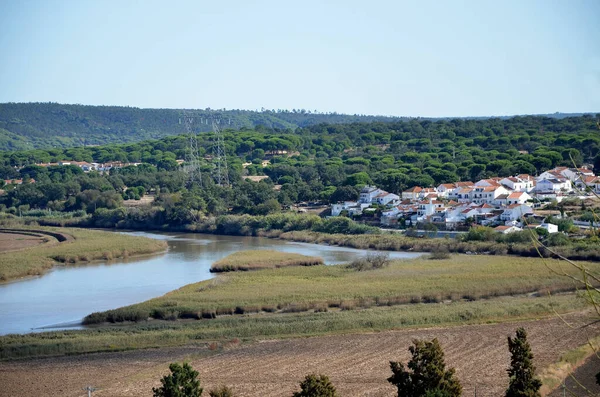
(323, 288)
(77, 246)
(338, 231)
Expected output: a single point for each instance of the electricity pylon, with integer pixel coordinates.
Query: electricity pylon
(221, 171)
(192, 161)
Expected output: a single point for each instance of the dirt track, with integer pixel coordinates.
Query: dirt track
(15, 242)
(357, 364)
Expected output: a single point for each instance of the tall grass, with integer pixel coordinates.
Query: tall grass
(262, 259)
(226, 328)
(296, 289)
(87, 245)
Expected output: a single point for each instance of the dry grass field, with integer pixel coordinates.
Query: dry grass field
(356, 363)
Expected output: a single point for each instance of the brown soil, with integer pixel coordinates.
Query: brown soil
(14, 242)
(357, 364)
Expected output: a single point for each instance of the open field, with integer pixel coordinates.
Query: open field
(356, 363)
(80, 246)
(262, 259)
(322, 288)
(16, 242)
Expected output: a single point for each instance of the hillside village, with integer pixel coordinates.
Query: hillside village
(500, 202)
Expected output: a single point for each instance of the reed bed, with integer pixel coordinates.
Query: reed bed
(224, 329)
(262, 259)
(323, 288)
(86, 246)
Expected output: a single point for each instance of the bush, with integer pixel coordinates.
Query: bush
(372, 261)
(439, 254)
(222, 391)
(316, 386)
(182, 382)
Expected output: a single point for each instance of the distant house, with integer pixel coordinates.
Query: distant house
(554, 185)
(412, 193)
(352, 207)
(520, 183)
(517, 198)
(550, 227)
(515, 212)
(507, 229)
(368, 194)
(445, 189)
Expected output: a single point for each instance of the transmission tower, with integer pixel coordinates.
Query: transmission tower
(192, 167)
(222, 174)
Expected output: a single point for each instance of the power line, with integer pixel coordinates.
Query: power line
(222, 173)
(192, 163)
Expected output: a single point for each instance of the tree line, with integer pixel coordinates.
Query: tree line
(425, 375)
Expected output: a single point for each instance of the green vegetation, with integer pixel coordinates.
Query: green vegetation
(322, 288)
(426, 375)
(316, 386)
(523, 382)
(181, 382)
(47, 125)
(262, 259)
(88, 245)
(226, 328)
(521, 245)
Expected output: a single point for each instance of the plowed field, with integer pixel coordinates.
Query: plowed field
(357, 364)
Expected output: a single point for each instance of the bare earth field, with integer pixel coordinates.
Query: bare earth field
(14, 242)
(357, 364)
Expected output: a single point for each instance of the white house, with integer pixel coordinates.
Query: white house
(487, 194)
(507, 229)
(385, 198)
(553, 185)
(445, 189)
(488, 182)
(517, 198)
(550, 227)
(519, 183)
(515, 211)
(412, 193)
(368, 194)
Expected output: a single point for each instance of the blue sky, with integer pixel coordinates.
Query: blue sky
(421, 58)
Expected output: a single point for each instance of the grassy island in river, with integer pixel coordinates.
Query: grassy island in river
(262, 259)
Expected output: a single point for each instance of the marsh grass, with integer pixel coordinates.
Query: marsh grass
(301, 289)
(262, 259)
(224, 329)
(87, 245)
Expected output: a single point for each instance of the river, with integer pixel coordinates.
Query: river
(62, 297)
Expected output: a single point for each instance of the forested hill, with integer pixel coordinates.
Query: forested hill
(47, 125)
(53, 125)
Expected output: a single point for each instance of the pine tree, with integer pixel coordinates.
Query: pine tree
(429, 376)
(523, 382)
(182, 382)
(316, 386)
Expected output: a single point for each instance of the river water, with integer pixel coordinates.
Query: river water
(62, 297)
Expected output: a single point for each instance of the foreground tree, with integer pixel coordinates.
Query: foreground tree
(182, 382)
(316, 386)
(426, 375)
(523, 382)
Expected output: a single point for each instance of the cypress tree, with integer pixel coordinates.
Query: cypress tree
(426, 375)
(523, 382)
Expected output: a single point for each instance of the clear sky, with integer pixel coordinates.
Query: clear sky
(418, 58)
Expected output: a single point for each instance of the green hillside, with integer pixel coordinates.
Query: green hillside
(47, 125)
